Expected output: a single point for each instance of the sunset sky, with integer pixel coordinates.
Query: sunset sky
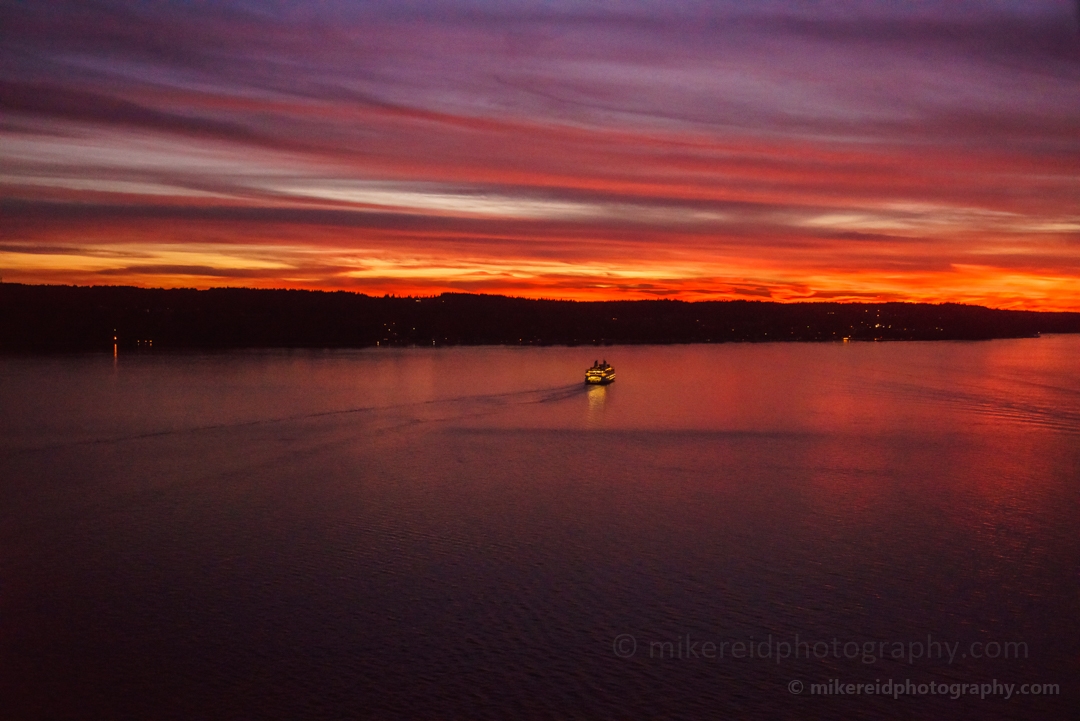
(832, 149)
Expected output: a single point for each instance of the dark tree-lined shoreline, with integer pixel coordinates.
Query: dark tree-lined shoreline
(51, 318)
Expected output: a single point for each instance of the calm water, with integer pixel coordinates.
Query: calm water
(471, 533)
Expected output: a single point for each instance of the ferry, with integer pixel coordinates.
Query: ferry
(600, 373)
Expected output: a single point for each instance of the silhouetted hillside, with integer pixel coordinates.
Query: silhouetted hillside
(63, 318)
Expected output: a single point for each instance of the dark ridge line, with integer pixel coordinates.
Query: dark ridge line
(56, 318)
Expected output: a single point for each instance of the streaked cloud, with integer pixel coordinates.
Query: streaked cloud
(844, 149)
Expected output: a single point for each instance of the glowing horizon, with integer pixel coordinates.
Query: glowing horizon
(858, 152)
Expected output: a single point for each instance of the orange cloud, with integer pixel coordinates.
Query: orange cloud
(393, 154)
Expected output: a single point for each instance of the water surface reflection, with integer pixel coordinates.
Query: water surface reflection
(465, 532)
